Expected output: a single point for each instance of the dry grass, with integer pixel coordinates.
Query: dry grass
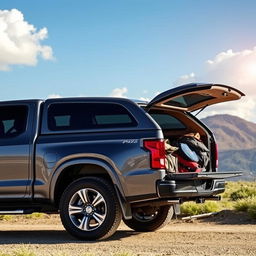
(239, 196)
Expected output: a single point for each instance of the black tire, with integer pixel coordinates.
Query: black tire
(86, 217)
(150, 219)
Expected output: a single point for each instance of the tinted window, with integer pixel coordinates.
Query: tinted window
(188, 100)
(13, 121)
(80, 116)
(168, 122)
(113, 119)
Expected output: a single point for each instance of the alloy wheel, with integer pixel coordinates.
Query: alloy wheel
(87, 209)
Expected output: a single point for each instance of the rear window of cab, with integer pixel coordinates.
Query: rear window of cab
(83, 116)
(168, 122)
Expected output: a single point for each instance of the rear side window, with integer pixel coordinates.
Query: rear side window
(13, 121)
(82, 116)
(168, 122)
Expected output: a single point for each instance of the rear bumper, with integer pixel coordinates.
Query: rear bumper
(193, 185)
(189, 189)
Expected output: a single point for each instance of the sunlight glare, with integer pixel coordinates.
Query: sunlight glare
(251, 69)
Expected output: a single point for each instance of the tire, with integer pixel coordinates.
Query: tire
(150, 219)
(89, 209)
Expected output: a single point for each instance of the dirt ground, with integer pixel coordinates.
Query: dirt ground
(226, 234)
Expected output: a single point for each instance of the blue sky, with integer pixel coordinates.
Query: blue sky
(138, 47)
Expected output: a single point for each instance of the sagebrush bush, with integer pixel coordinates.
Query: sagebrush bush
(244, 204)
(192, 208)
(233, 186)
(210, 206)
(252, 211)
(5, 217)
(23, 252)
(19, 252)
(189, 208)
(35, 215)
(243, 192)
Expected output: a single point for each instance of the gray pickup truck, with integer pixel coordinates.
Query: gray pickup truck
(98, 160)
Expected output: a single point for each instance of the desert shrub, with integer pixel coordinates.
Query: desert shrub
(232, 187)
(210, 206)
(36, 215)
(226, 204)
(191, 208)
(6, 217)
(252, 211)
(244, 204)
(19, 252)
(243, 192)
(23, 252)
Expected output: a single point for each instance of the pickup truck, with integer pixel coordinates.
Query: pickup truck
(96, 160)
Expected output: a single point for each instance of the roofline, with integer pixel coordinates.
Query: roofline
(64, 99)
(21, 101)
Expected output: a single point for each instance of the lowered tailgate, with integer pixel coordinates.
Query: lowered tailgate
(204, 175)
(193, 185)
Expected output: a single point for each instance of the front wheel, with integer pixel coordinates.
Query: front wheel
(146, 219)
(89, 209)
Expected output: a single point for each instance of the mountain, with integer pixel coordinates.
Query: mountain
(232, 132)
(239, 160)
(236, 139)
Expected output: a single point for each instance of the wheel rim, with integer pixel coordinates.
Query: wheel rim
(144, 217)
(87, 209)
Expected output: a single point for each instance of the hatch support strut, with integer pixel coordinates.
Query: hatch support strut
(200, 110)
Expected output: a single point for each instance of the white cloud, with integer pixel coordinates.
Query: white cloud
(185, 79)
(244, 108)
(54, 95)
(119, 92)
(145, 99)
(237, 69)
(20, 42)
(234, 68)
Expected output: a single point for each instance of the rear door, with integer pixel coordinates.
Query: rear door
(16, 124)
(194, 96)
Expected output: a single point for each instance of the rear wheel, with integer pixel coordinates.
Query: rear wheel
(89, 209)
(146, 219)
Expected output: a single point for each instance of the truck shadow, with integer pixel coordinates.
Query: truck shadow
(52, 237)
(229, 217)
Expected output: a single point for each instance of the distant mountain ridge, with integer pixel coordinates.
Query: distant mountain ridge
(232, 132)
(236, 139)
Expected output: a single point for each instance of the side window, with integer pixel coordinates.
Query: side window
(13, 121)
(168, 122)
(81, 116)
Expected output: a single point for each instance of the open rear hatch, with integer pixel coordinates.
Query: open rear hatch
(194, 96)
(188, 98)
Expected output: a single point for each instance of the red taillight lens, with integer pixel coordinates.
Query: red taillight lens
(157, 153)
(216, 156)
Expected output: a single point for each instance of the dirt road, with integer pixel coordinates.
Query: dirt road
(178, 238)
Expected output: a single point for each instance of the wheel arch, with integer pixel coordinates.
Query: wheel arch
(77, 168)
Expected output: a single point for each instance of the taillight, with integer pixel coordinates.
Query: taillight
(157, 153)
(216, 155)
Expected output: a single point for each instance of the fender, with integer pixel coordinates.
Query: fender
(112, 170)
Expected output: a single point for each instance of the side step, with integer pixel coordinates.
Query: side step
(14, 212)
